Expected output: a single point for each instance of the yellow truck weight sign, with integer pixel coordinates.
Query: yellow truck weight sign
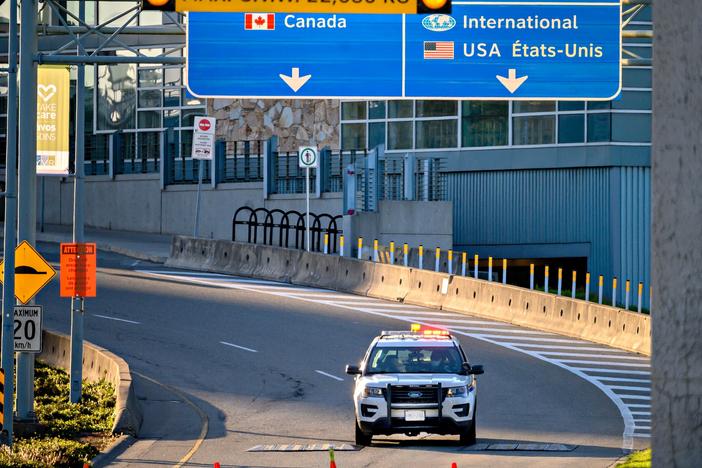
(32, 272)
(317, 6)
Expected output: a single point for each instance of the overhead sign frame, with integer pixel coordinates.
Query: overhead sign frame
(317, 6)
(507, 78)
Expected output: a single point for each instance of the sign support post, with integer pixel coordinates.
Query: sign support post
(308, 157)
(202, 150)
(10, 240)
(307, 207)
(77, 303)
(27, 180)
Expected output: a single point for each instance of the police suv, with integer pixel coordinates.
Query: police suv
(415, 381)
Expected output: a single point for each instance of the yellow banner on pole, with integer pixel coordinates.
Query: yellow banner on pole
(53, 108)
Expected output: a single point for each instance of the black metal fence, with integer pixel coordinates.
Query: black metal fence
(286, 228)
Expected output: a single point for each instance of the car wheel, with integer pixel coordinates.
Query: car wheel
(468, 435)
(362, 438)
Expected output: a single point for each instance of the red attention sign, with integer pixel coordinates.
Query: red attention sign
(78, 268)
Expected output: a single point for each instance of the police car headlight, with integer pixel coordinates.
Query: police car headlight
(372, 392)
(456, 392)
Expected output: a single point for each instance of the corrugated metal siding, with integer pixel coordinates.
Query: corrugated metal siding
(609, 208)
(633, 259)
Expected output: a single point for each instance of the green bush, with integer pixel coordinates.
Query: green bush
(47, 452)
(94, 413)
(63, 421)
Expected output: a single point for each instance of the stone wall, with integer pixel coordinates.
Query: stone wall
(295, 122)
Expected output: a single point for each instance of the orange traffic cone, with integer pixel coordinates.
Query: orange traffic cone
(216, 465)
(454, 465)
(332, 463)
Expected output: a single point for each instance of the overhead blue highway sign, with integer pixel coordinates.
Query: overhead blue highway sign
(483, 50)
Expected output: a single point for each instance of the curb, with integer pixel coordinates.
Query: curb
(108, 455)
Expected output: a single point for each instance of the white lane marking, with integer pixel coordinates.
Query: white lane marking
(489, 337)
(238, 347)
(369, 304)
(625, 387)
(603, 356)
(638, 405)
(634, 397)
(624, 409)
(644, 428)
(329, 375)
(609, 363)
(641, 413)
(636, 434)
(117, 319)
(499, 330)
(420, 313)
(573, 348)
(624, 379)
(135, 263)
(611, 371)
(648, 420)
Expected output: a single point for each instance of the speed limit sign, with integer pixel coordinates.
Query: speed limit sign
(28, 329)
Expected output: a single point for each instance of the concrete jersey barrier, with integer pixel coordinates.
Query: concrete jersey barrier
(98, 363)
(525, 307)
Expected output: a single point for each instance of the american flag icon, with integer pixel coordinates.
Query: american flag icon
(438, 50)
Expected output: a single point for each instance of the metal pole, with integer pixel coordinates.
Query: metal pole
(560, 280)
(307, 211)
(421, 257)
(601, 287)
(8, 291)
(26, 225)
(41, 198)
(574, 285)
(504, 271)
(531, 276)
(475, 267)
(200, 170)
(546, 279)
(77, 303)
(626, 300)
(489, 268)
(463, 263)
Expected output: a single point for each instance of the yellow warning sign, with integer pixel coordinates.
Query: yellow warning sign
(32, 272)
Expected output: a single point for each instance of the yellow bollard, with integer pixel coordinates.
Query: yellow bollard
(437, 259)
(375, 250)
(392, 252)
(489, 268)
(326, 242)
(360, 248)
(341, 246)
(504, 271)
(405, 254)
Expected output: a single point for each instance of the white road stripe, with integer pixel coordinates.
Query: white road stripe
(638, 405)
(609, 363)
(612, 371)
(624, 379)
(525, 338)
(648, 420)
(416, 313)
(603, 356)
(624, 387)
(574, 348)
(643, 428)
(117, 319)
(239, 347)
(498, 330)
(634, 397)
(641, 413)
(329, 375)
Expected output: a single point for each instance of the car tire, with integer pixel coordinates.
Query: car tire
(468, 435)
(362, 438)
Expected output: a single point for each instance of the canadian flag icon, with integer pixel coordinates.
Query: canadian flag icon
(259, 21)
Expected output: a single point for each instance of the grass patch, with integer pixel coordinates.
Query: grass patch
(72, 434)
(640, 459)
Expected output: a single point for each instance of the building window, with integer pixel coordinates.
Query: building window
(353, 136)
(571, 128)
(436, 134)
(400, 135)
(484, 123)
(598, 127)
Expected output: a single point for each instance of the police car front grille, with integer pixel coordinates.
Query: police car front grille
(415, 393)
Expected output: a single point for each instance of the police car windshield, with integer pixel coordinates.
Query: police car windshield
(414, 360)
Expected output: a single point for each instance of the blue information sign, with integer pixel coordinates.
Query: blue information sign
(483, 50)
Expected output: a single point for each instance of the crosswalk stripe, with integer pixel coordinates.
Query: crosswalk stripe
(609, 363)
(633, 397)
(603, 356)
(574, 348)
(612, 371)
(624, 387)
(624, 379)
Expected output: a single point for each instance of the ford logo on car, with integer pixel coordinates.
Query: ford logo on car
(414, 394)
(438, 23)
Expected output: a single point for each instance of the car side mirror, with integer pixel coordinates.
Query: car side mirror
(476, 370)
(465, 368)
(353, 370)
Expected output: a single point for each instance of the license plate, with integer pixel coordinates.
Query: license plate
(414, 415)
